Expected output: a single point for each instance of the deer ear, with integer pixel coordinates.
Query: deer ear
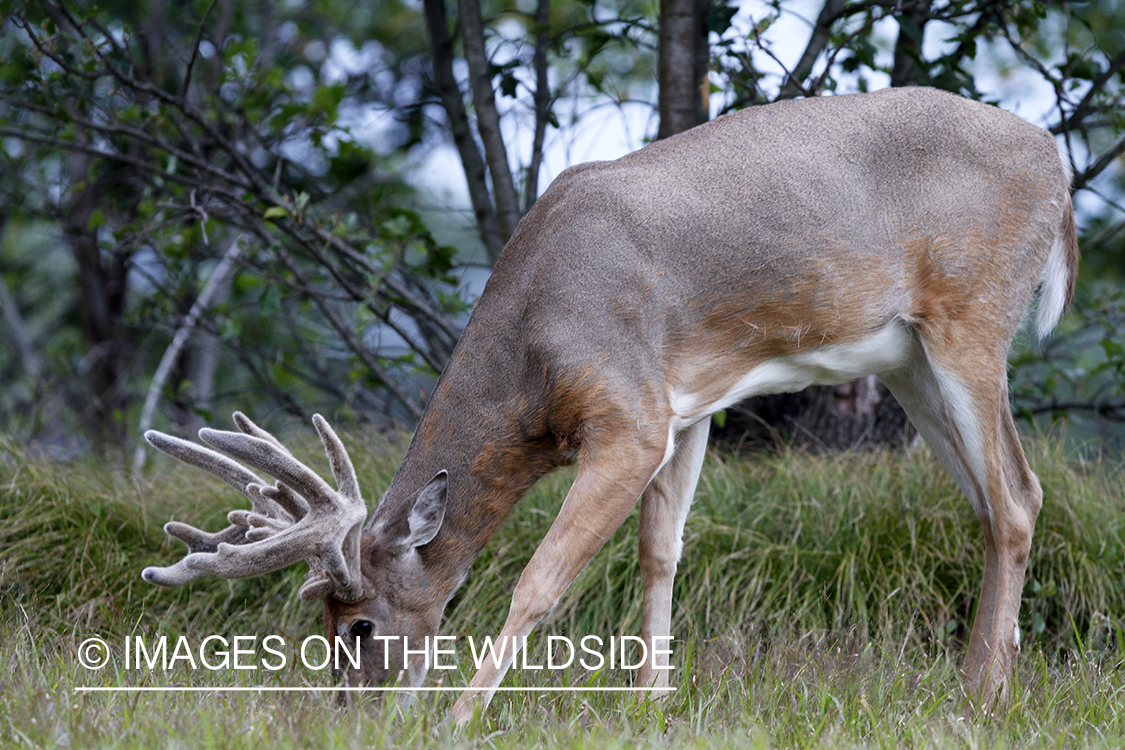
(428, 511)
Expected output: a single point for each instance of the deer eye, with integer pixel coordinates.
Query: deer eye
(362, 629)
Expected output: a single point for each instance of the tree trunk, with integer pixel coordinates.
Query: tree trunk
(102, 285)
(908, 47)
(682, 65)
(452, 101)
(488, 118)
(860, 415)
(542, 101)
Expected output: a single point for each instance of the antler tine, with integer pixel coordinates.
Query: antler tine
(338, 459)
(243, 560)
(330, 541)
(201, 457)
(265, 455)
(203, 541)
(244, 423)
(229, 471)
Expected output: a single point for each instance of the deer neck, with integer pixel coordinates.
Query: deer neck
(490, 436)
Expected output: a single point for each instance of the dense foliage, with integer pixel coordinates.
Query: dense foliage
(215, 203)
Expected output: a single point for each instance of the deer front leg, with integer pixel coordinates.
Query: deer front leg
(664, 508)
(607, 487)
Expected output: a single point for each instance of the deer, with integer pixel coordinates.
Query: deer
(905, 233)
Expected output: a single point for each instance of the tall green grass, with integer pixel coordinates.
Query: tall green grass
(867, 544)
(821, 602)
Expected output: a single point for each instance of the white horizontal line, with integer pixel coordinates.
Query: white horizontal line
(321, 689)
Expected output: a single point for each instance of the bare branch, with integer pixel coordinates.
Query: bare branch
(542, 101)
(812, 88)
(1085, 107)
(789, 76)
(1112, 409)
(452, 102)
(393, 284)
(195, 48)
(180, 340)
(1083, 178)
(352, 342)
(829, 14)
(28, 355)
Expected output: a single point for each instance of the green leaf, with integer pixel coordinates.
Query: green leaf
(509, 85)
(97, 219)
(398, 227)
(327, 100)
(275, 212)
(719, 17)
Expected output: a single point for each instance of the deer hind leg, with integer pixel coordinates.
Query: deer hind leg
(962, 412)
(995, 641)
(610, 480)
(664, 508)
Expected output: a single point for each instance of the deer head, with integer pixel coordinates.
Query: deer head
(401, 606)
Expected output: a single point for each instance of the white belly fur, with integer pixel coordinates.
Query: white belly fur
(887, 349)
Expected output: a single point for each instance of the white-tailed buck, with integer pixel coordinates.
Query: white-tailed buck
(902, 233)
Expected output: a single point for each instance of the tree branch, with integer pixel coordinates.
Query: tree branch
(542, 101)
(817, 42)
(1109, 409)
(908, 46)
(28, 355)
(195, 48)
(350, 339)
(1083, 178)
(449, 93)
(1085, 107)
(179, 341)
